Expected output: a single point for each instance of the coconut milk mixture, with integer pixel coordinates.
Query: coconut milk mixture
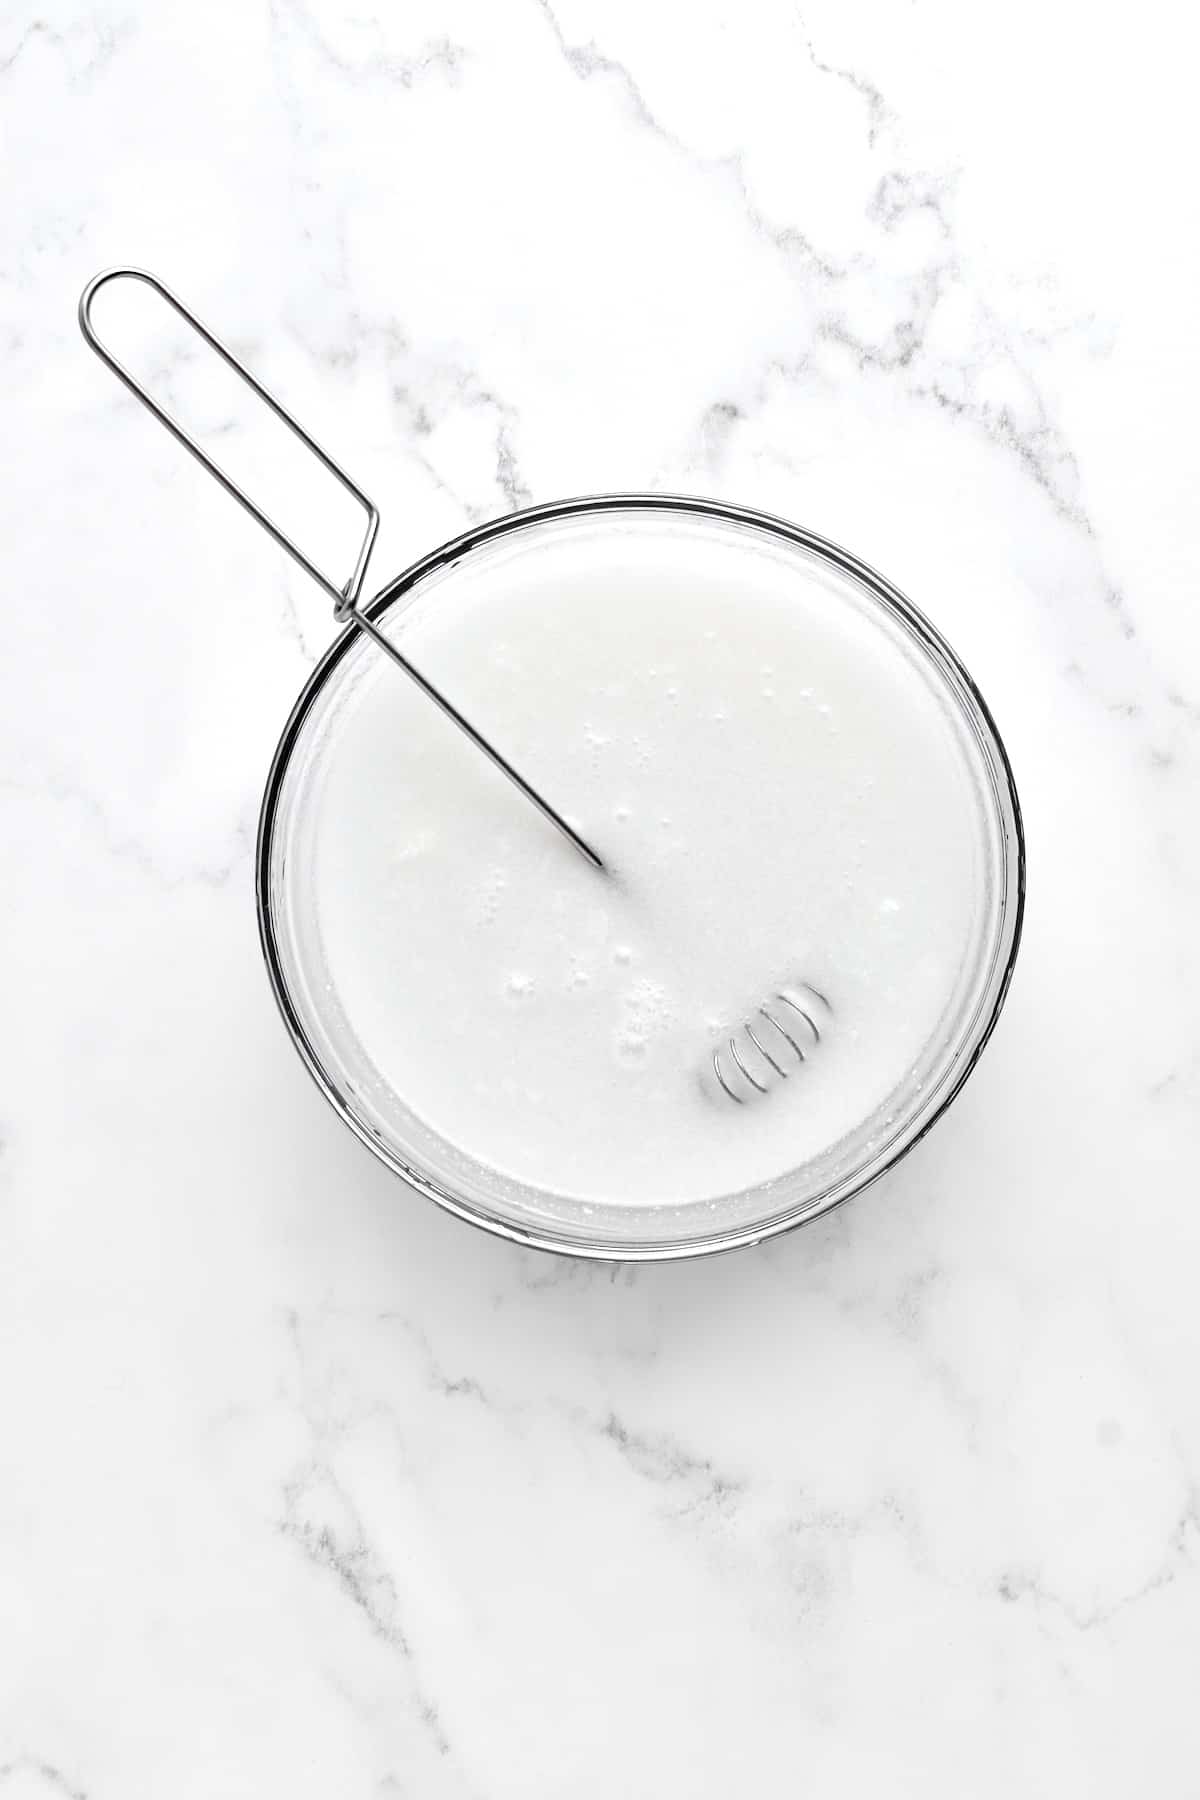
(781, 794)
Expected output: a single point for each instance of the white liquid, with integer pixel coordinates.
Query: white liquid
(782, 794)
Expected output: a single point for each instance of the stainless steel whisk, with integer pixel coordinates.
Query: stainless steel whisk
(345, 607)
(788, 1027)
(753, 1063)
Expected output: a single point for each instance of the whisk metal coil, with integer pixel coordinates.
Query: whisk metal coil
(750, 1058)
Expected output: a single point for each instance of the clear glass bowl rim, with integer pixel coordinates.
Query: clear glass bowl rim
(1012, 913)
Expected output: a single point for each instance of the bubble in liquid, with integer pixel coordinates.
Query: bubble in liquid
(622, 954)
(520, 986)
(491, 894)
(622, 814)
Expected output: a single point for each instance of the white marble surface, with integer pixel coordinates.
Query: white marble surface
(306, 1489)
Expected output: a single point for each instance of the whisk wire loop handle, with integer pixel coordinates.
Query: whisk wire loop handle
(343, 596)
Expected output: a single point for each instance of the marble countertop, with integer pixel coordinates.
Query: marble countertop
(307, 1489)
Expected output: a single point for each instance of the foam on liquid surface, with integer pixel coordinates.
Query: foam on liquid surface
(781, 793)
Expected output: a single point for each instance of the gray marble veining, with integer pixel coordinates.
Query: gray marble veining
(306, 1489)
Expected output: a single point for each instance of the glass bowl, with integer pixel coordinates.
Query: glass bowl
(535, 1216)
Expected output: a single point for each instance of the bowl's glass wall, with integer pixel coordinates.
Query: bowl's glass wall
(292, 938)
